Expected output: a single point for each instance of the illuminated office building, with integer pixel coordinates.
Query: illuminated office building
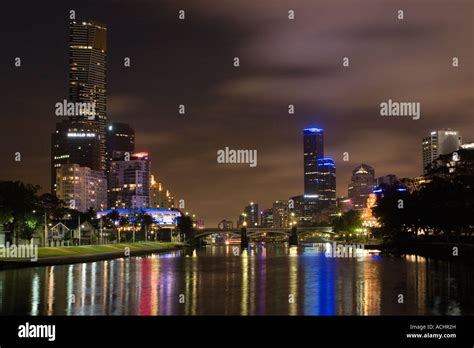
(129, 185)
(81, 188)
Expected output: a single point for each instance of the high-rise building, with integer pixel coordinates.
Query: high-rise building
(74, 142)
(130, 182)
(159, 197)
(313, 147)
(388, 180)
(120, 140)
(88, 72)
(81, 187)
(266, 218)
(79, 137)
(439, 143)
(326, 181)
(251, 214)
(280, 214)
(361, 186)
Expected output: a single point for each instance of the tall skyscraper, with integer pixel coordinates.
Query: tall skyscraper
(88, 72)
(361, 186)
(130, 182)
(326, 181)
(439, 143)
(79, 137)
(313, 147)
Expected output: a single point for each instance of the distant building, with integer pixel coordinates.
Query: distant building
(160, 197)
(120, 140)
(81, 187)
(280, 214)
(225, 225)
(266, 218)
(388, 180)
(439, 143)
(463, 156)
(313, 148)
(130, 182)
(326, 179)
(362, 184)
(251, 214)
(297, 210)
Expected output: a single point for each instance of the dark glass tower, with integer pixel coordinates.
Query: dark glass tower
(326, 179)
(88, 72)
(80, 138)
(313, 146)
(120, 139)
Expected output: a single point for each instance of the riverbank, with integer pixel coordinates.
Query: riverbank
(438, 250)
(48, 256)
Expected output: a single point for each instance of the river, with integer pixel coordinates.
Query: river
(271, 279)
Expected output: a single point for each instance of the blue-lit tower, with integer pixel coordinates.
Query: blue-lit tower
(313, 146)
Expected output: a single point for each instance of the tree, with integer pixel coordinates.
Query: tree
(348, 223)
(185, 226)
(17, 208)
(146, 221)
(114, 218)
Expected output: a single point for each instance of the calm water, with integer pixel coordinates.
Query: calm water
(268, 280)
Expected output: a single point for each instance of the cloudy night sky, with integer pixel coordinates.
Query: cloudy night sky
(282, 62)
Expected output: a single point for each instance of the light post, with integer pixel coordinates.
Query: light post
(45, 228)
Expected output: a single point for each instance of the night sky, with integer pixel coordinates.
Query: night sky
(282, 62)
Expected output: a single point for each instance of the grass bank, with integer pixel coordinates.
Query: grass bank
(87, 253)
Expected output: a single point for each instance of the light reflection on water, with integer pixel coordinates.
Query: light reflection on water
(271, 279)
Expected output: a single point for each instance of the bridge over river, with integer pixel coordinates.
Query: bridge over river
(248, 233)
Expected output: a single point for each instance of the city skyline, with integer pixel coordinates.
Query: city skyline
(161, 130)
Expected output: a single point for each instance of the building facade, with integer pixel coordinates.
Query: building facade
(159, 196)
(130, 182)
(280, 214)
(326, 179)
(81, 187)
(266, 218)
(441, 142)
(361, 186)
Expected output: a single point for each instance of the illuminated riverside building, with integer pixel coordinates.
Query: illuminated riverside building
(362, 184)
(81, 187)
(159, 197)
(161, 217)
(74, 142)
(129, 185)
(439, 143)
